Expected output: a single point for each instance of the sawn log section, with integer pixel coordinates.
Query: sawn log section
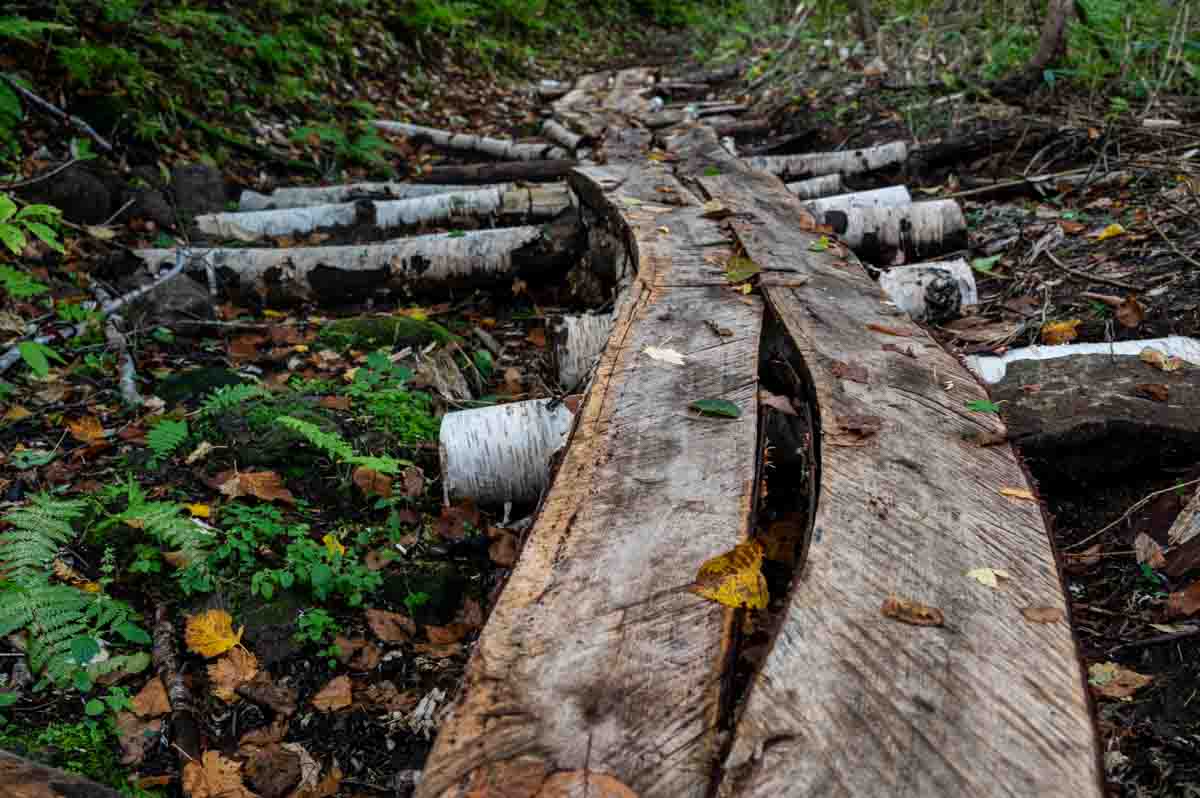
(599, 674)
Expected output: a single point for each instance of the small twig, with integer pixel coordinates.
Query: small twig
(117, 340)
(120, 211)
(1136, 506)
(60, 114)
(1091, 277)
(1169, 637)
(46, 176)
(1170, 243)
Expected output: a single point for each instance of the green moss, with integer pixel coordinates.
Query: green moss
(382, 331)
(88, 747)
(195, 383)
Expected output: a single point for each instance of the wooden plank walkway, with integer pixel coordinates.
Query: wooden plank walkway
(599, 674)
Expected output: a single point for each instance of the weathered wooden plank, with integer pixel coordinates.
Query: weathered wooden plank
(596, 659)
(852, 703)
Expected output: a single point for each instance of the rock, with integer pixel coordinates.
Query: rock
(273, 771)
(270, 626)
(198, 189)
(79, 193)
(174, 303)
(1089, 417)
(152, 205)
(193, 384)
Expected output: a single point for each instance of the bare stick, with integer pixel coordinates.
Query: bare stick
(62, 167)
(55, 111)
(127, 368)
(1133, 509)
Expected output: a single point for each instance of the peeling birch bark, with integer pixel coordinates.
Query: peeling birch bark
(889, 197)
(501, 454)
(504, 149)
(577, 344)
(307, 196)
(815, 187)
(936, 291)
(538, 202)
(919, 230)
(849, 162)
(559, 134)
(329, 273)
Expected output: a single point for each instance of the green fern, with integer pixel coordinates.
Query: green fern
(28, 30)
(227, 397)
(163, 522)
(338, 448)
(166, 436)
(39, 530)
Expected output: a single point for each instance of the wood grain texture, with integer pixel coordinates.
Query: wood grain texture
(596, 658)
(848, 702)
(21, 778)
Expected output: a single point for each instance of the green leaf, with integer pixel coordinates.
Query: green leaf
(10, 107)
(286, 579)
(82, 681)
(133, 633)
(985, 264)
(94, 708)
(8, 699)
(739, 269)
(84, 650)
(820, 245)
(266, 589)
(7, 207)
(483, 362)
(711, 171)
(12, 237)
(46, 234)
(716, 407)
(47, 213)
(34, 355)
(320, 575)
(983, 406)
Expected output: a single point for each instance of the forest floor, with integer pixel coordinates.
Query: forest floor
(375, 588)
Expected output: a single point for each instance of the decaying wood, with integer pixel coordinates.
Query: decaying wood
(743, 127)
(848, 701)
(185, 735)
(22, 778)
(1089, 418)
(503, 149)
(814, 187)
(934, 291)
(889, 197)
(502, 453)
(560, 134)
(500, 172)
(1184, 539)
(424, 263)
(600, 100)
(680, 88)
(305, 196)
(596, 659)
(920, 230)
(577, 342)
(846, 162)
(512, 203)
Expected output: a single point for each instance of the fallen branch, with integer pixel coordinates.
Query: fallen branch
(539, 202)
(814, 187)
(933, 291)
(504, 149)
(848, 162)
(577, 342)
(184, 732)
(920, 230)
(307, 196)
(127, 368)
(503, 172)
(889, 197)
(58, 113)
(559, 134)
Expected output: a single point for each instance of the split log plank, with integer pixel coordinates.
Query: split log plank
(569, 674)
(499, 172)
(852, 703)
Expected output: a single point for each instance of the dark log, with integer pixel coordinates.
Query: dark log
(502, 172)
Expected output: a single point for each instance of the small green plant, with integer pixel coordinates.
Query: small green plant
(983, 406)
(228, 397)
(114, 701)
(316, 626)
(19, 285)
(327, 569)
(338, 448)
(165, 437)
(414, 600)
(359, 145)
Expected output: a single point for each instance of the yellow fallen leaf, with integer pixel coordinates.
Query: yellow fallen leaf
(1060, 332)
(199, 453)
(211, 633)
(230, 672)
(300, 348)
(199, 510)
(990, 577)
(333, 545)
(1159, 360)
(274, 314)
(1019, 493)
(734, 578)
(1112, 231)
(16, 413)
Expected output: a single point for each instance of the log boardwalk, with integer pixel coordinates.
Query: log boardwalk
(599, 674)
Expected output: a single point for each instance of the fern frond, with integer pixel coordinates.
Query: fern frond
(338, 448)
(228, 397)
(163, 522)
(39, 530)
(166, 436)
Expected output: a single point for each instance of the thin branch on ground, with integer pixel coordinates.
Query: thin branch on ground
(60, 114)
(1170, 243)
(1142, 502)
(127, 368)
(62, 167)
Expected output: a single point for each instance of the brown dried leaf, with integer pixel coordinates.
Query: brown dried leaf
(262, 737)
(372, 483)
(1130, 313)
(882, 328)
(773, 400)
(894, 348)
(513, 385)
(263, 691)
(327, 787)
(1042, 614)
(357, 654)
(1110, 680)
(136, 736)
(912, 612)
(1148, 551)
(1154, 391)
(447, 634)
(438, 650)
(246, 347)
(584, 784)
(849, 371)
(385, 696)
(537, 337)
(455, 519)
(1160, 360)
(504, 550)
(214, 776)
(86, 429)
(334, 696)
(230, 672)
(335, 402)
(1183, 603)
(151, 701)
(413, 482)
(265, 485)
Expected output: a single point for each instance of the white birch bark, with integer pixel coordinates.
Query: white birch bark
(889, 197)
(578, 342)
(501, 454)
(307, 196)
(848, 162)
(814, 187)
(560, 134)
(944, 287)
(921, 228)
(504, 149)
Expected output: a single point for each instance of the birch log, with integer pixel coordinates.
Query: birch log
(307, 196)
(559, 134)
(504, 149)
(848, 162)
(932, 291)
(502, 453)
(577, 343)
(814, 187)
(332, 273)
(889, 197)
(538, 202)
(919, 230)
